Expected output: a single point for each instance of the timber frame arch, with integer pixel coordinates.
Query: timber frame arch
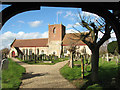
(101, 9)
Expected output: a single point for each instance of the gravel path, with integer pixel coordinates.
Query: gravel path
(44, 76)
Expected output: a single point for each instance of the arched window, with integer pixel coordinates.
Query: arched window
(30, 51)
(53, 53)
(42, 52)
(65, 50)
(54, 30)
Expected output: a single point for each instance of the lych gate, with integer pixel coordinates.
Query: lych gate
(101, 9)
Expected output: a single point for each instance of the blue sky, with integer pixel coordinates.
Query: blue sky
(34, 24)
(44, 16)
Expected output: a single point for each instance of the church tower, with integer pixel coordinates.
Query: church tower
(55, 37)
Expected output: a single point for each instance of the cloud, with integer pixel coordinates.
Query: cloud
(71, 31)
(12, 25)
(35, 23)
(69, 13)
(89, 14)
(71, 25)
(20, 21)
(8, 37)
(113, 35)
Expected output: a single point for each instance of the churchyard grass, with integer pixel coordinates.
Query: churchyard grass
(107, 71)
(11, 77)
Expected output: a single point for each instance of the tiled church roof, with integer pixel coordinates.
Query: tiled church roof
(42, 42)
(69, 39)
(72, 39)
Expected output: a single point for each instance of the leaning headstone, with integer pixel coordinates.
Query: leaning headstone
(4, 64)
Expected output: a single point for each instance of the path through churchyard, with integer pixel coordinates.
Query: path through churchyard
(43, 76)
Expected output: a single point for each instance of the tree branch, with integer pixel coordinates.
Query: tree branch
(106, 35)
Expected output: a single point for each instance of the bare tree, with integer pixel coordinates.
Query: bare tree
(72, 49)
(94, 26)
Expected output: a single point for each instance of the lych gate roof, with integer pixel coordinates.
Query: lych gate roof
(71, 38)
(42, 42)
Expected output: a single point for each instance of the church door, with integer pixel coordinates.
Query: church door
(13, 53)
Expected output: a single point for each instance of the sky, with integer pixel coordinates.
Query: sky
(34, 24)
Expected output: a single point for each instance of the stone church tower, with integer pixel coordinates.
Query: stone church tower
(55, 36)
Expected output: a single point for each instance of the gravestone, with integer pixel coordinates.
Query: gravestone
(37, 56)
(48, 58)
(4, 64)
(62, 56)
(23, 57)
(117, 59)
(107, 57)
(19, 56)
(48, 61)
(40, 57)
(26, 57)
(55, 58)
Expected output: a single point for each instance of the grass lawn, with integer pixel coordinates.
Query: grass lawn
(42, 63)
(107, 71)
(11, 78)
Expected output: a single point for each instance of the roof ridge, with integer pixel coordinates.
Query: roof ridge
(32, 39)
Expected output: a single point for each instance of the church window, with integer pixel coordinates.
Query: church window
(53, 53)
(42, 52)
(65, 51)
(54, 30)
(30, 51)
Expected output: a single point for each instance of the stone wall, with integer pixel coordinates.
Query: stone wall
(55, 46)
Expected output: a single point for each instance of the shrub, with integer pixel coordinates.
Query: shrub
(112, 46)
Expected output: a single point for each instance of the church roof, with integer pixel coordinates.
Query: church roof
(41, 42)
(69, 39)
(72, 39)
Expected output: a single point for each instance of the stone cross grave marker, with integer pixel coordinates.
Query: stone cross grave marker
(4, 64)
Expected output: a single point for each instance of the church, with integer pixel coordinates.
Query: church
(57, 43)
